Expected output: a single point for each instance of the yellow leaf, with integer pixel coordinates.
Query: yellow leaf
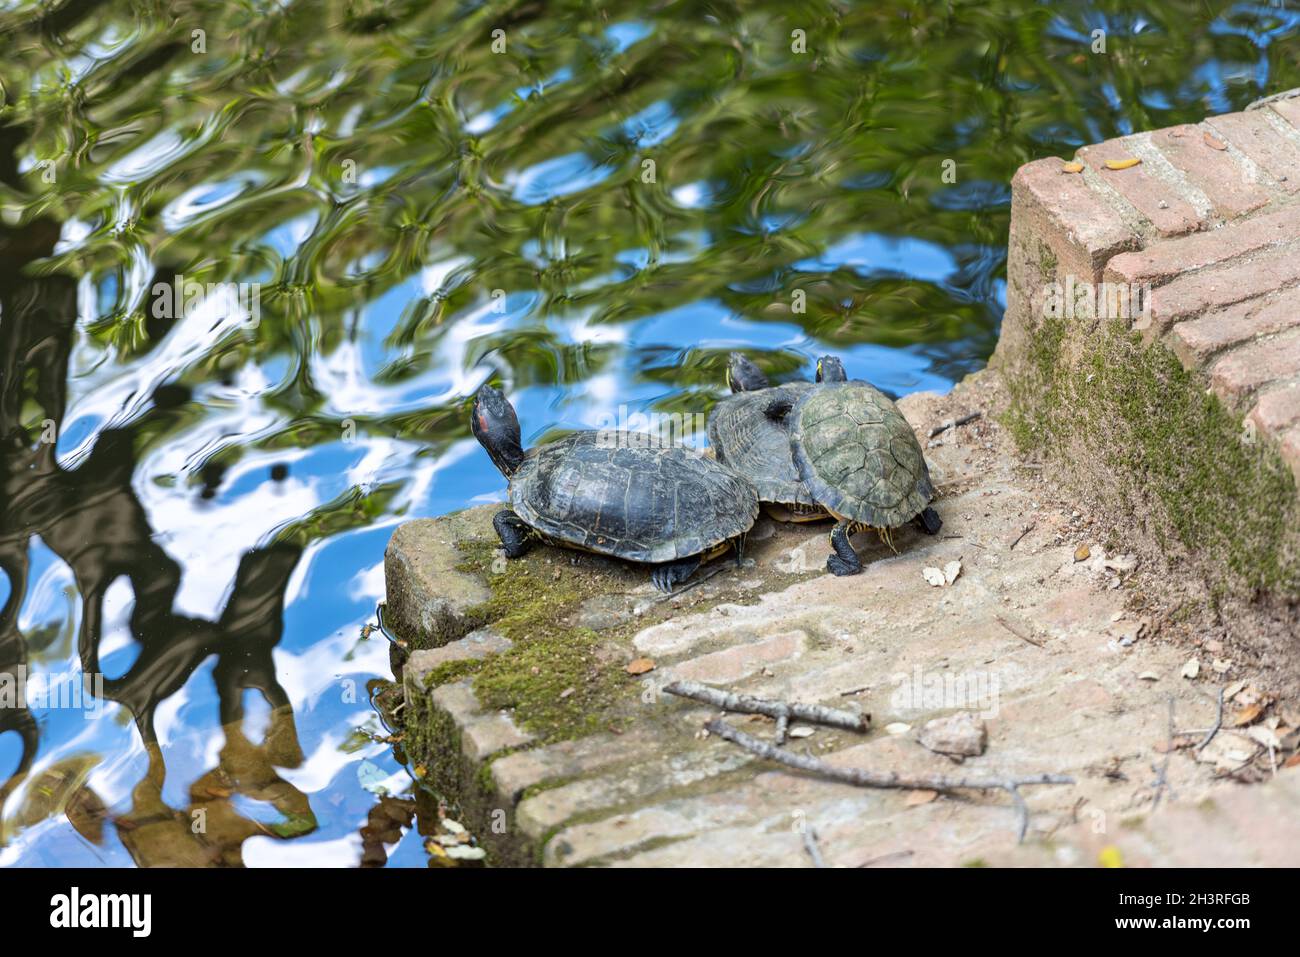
(1072, 168)
(1110, 857)
(1122, 164)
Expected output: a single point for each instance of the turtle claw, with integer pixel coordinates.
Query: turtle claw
(843, 560)
(666, 577)
(929, 521)
(838, 566)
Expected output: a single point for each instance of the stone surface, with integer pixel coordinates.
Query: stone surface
(960, 735)
(476, 645)
(1157, 200)
(1213, 234)
(1214, 172)
(1198, 340)
(1237, 375)
(1028, 649)
(426, 594)
(1272, 151)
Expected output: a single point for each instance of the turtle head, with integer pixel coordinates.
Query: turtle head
(831, 369)
(743, 375)
(495, 425)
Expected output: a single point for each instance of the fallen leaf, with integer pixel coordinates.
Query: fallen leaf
(1233, 690)
(898, 727)
(917, 798)
(1265, 736)
(951, 571)
(1214, 142)
(1123, 164)
(933, 576)
(1110, 857)
(1191, 669)
(566, 692)
(1072, 168)
(640, 666)
(1148, 676)
(464, 852)
(1221, 666)
(1247, 715)
(1292, 761)
(1081, 553)
(800, 731)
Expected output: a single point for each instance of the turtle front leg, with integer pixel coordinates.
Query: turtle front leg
(671, 574)
(845, 560)
(929, 521)
(514, 534)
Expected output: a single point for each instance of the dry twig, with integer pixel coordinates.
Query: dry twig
(810, 845)
(1218, 723)
(747, 704)
(954, 423)
(876, 779)
(1017, 632)
(1161, 783)
(1023, 532)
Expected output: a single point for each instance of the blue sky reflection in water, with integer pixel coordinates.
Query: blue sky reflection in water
(208, 530)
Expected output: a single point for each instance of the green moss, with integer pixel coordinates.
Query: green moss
(1142, 438)
(433, 741)
(553, 677)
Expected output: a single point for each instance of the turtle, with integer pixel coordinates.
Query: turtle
(858, 457)
(757, 446)
(666, 506)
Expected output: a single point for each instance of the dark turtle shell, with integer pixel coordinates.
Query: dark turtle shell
(758, 447)
(639, 504)
(858, 456)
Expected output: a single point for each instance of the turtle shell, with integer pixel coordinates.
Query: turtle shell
(858, 456)
(744, 437)
(641, 504)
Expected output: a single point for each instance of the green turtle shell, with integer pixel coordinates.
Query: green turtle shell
(756, 446)
(640, 504)
(858, 456)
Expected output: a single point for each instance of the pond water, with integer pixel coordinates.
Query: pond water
(591, 207)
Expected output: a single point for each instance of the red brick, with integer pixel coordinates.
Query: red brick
(1062, 211)
(1238, 374)
(1259, 141)
(740, 661)
(1288, 109)
(1277, 410)
(1196, 293)
(1214, 172)
(1165, 261)
(1151, 196)
(1198, 339)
